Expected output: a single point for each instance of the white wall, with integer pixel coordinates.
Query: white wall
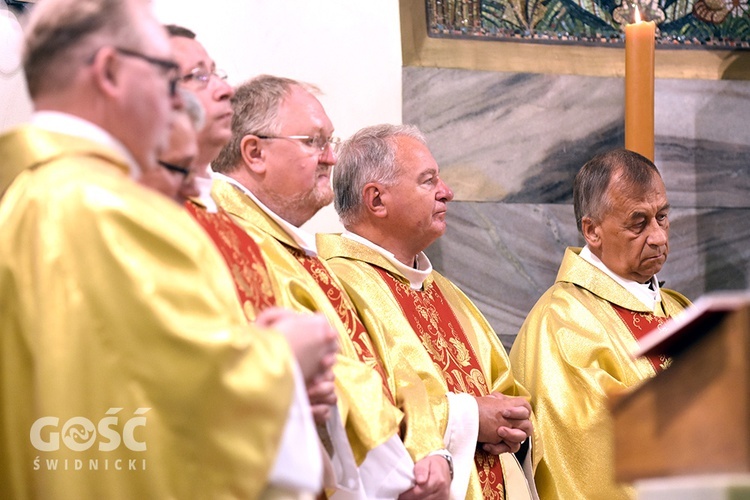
(351, 49)
(15, 106)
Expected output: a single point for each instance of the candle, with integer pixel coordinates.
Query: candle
(639, 86)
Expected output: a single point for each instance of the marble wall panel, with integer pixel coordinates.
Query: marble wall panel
(512, 137)
(705, 173)
(510, 144)
(522, 137)
(504, 256)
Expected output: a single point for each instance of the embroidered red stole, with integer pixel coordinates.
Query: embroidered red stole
(438, 328)
(354, 327)
(242, 255)
(639, 324)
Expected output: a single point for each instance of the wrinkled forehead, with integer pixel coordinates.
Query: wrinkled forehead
(645, 185)
(301, 112)
(648, 195)
(190, 54)
(414, 154)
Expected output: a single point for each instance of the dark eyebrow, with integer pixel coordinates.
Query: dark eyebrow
(637, 216)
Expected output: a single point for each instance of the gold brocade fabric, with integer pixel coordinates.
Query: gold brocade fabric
(572, 350)
(369, 417)
(395, 339)
(437, 328)
(361, 342)
(641, 324)
(127, 369)
(242, 255)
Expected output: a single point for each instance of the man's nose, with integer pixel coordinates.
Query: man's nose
(328, 156)
(658, 234)
(444, 191)
(222, 89)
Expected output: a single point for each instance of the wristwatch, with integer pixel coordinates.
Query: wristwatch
(448, 458)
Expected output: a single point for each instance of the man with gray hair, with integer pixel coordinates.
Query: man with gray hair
(272, 177)
(392, 201)
(576, 343)
(128, 369)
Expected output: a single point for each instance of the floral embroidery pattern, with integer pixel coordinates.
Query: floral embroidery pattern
(242, 255)
(639, 324)
(437, 327)
(346, 312)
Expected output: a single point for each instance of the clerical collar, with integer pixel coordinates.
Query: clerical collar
(416, 276)
(204, 193)
(648, 293)
(304, 239)
(65, 123)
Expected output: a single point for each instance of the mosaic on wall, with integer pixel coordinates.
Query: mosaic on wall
(721, 24)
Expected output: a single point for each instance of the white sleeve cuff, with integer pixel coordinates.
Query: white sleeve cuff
(460, 439)
(298, 465)
(386, 472)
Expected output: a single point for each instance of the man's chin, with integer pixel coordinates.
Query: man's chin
(324, 195)
(652, 268)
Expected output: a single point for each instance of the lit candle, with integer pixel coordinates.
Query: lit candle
(639, 86)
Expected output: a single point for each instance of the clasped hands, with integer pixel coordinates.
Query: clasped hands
(504, 423)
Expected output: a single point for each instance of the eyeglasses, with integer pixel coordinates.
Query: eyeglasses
(201, 77)
(170, 68)
(311, 141)
(185, 172)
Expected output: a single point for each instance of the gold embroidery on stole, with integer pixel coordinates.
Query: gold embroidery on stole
(441, 334)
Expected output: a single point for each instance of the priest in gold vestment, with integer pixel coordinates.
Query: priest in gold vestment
(575, 346)
(128, 370)
(271, 179)
(392, 202)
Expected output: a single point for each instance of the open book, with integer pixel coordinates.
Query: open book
(697, 320)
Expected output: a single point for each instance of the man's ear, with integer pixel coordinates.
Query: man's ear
(372, 198)
(591, 232)
(104, 70)
(251, 150)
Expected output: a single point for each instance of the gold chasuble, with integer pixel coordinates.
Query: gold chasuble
(304, 283)
(347, 313)
(444, 339)
(253, 281)
(434, 323)
(573, 349)
(127, 369)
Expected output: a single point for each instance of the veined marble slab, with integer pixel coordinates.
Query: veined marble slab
(504, 256)
(521, 138)
(510, 145)
(508, 136)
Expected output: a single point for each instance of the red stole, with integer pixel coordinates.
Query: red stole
(242, 255)
(639, 324)
(434, 322)
(354, 327)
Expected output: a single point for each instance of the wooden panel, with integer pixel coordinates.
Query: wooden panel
(693, 417)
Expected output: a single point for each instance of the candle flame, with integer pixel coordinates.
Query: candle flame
(637, 15)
